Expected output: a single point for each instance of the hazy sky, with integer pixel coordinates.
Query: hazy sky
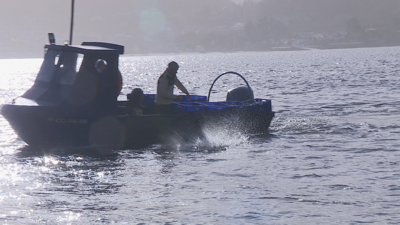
(24, 24)
(238, 1)
(24, 17)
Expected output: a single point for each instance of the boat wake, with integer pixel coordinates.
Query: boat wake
(224, 136)
(213, 138)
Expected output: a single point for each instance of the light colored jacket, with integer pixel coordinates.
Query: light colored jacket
(165, 93)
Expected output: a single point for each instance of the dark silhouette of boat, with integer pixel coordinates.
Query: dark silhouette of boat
(71, 106)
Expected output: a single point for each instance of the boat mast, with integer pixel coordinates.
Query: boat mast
(72, 21)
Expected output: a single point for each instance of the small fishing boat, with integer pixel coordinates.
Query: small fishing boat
(74, 102)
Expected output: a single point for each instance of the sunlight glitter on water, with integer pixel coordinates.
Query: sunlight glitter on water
(17, 67)
(16, 76)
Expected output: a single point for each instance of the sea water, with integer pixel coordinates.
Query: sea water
(332, 155)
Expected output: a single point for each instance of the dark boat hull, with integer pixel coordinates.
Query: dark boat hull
(56, 126)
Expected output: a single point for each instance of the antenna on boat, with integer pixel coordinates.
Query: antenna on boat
(72, 21)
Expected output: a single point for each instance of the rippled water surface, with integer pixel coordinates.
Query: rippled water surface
(331, 157)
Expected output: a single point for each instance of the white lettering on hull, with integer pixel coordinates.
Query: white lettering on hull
(67, 120)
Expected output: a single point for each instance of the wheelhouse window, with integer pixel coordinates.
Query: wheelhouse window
(101, 65)
(67, 67)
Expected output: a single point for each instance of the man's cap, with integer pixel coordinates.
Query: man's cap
(173, 65)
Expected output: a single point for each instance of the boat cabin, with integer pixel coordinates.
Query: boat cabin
(97, 82)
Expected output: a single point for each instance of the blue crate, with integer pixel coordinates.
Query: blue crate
(189, 107)
(215, 105)
(196, 98)
(150, 96)
(236, 104)
(264, 105)
(148, 99)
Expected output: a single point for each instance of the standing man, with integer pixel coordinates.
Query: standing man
(165, 89)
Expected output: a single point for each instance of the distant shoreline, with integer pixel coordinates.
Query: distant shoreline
(350, 45)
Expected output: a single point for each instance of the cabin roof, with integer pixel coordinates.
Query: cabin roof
(89, 48)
